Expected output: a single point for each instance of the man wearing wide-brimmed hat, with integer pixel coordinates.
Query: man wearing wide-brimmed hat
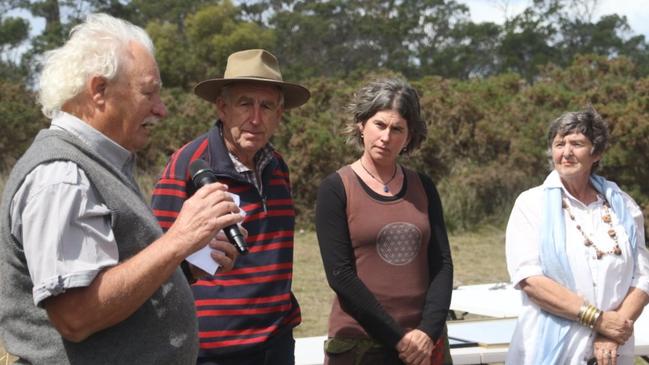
(246, 317)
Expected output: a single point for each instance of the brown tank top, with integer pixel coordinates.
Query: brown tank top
(390, 243)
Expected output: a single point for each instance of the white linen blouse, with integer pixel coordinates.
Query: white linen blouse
(603, 282)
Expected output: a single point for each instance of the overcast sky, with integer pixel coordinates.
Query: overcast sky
(636, 11)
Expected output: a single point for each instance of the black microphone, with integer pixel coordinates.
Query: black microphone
(202, 175)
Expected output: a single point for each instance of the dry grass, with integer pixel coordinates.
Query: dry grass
(310, 286)
(478, 257)
(471, 252)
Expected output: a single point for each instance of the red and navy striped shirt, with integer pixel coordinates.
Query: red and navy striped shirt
(247, 306)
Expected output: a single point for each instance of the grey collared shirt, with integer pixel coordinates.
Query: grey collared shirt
(61, 221)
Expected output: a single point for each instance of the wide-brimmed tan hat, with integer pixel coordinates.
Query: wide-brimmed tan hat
(256, 65)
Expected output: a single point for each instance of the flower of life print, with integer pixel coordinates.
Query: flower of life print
(398, 243)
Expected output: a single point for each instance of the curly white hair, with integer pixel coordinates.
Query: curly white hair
(95, 48)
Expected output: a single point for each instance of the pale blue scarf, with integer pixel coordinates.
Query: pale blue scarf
(555, 264)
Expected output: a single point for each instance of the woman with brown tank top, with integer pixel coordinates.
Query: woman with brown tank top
(383, 240)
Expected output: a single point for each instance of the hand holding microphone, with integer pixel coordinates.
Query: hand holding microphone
(202, 175)
(199, 221)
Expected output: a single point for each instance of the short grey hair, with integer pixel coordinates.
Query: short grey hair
(96, 47)
(587, 122)
(387, 94)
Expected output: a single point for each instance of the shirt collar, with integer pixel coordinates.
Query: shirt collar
(554, 181)
(115, 154)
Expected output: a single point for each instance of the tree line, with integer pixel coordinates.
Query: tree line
(488, 90)
(340, 38)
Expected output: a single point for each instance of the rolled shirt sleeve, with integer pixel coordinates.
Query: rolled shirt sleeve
(641, 274)
(641, 271)
(64, 228)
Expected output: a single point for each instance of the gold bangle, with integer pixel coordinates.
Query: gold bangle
(598, 313)
(584, 318)
(592, 311)
(582, 312)
(588, 315)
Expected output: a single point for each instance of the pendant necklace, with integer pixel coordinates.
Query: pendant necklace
(385, 185)
(606, 218)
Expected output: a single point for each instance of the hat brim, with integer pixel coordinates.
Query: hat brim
(294, 94)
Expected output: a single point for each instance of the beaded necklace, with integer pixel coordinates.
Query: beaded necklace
(606, 218)
(385, 184)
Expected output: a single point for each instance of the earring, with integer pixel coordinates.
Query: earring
(362, 136)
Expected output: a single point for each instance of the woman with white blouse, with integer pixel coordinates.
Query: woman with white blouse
(575, 248)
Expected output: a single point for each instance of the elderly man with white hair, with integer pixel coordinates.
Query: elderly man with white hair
(87, 276)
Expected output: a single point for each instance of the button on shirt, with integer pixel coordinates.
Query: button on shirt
(61, 221)
(604, 282)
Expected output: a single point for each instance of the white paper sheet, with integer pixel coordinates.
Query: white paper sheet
(202, 258)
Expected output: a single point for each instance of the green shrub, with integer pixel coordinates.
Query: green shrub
(486, 137)
(21, 120)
